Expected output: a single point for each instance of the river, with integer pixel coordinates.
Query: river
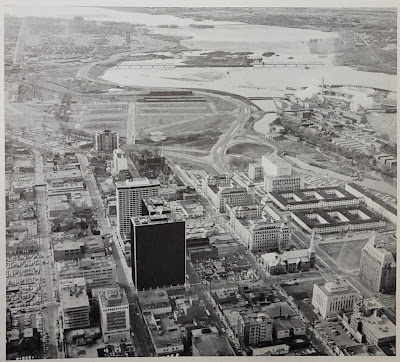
(256, 81)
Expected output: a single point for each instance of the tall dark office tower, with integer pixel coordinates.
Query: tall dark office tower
(158, 246)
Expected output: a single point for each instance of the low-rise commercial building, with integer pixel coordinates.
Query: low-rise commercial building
(288, 327)
(155, 300)
(254, 328)
(68, 250)
(208, 342)
(368, 324)
(98, 271)
(332, 297)
(165, 334)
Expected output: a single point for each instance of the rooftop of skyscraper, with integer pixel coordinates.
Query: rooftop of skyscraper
(137, 182)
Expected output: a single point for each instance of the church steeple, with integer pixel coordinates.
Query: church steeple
(311, 249)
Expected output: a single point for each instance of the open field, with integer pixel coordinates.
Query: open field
(347, 254)
(94, 117)
(250, 150)
(157, 116)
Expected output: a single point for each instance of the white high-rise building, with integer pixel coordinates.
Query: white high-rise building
(129, 201)
(120, 162)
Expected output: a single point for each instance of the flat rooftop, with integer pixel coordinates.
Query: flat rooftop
(153, 295)
(374, 198)
(348, 215)
(100, 262)
(209, 343)
(73, 293)
(336, 288)
(164, 332)
(276, 160)
(68, 245)
(137, 183)
(381, 327)
(305, 196)
(112, 297)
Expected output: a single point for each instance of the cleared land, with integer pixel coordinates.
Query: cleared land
(347, 254)
(302, 289)
(94, 117)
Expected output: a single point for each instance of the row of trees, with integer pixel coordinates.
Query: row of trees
(324, 142)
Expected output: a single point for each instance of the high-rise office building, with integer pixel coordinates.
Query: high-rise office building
(158, 246)
(106, 141)
(378, 264)
(129, 201)
(114, 315)
(127, 36)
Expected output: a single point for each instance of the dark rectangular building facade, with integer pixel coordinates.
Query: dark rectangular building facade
(158, 254)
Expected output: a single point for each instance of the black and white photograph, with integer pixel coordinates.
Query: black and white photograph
(199, 181)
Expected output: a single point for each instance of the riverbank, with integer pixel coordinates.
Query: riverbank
(367, 38)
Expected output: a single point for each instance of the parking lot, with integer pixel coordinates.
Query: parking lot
(335, 335)
(24, 290)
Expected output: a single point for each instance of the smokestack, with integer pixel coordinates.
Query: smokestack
(322, 88)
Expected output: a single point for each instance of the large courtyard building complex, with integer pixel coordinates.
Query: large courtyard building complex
(338, 220)
(129, 201)
(376, 204)
(106, 141)
(378, 265)
(311, 199)
(158, 246)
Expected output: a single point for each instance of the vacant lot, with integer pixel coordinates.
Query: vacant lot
(301, 289)
(94, 117)
(159, 115)
(347, 254)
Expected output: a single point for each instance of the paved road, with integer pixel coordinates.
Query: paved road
(142, 341)
(300, 239)
(219, 149)
(48, 272)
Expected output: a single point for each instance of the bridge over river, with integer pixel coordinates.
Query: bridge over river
(258, 65)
